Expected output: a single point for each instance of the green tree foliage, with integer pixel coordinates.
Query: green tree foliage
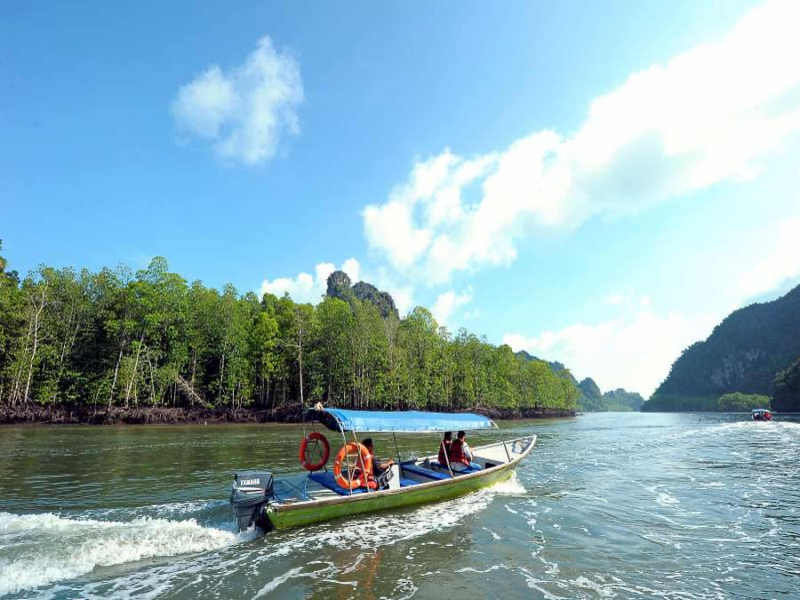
(786, 389)
(150, 339)
(738, 402)
(618, 400)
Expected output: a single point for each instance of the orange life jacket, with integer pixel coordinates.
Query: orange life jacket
(456, 453)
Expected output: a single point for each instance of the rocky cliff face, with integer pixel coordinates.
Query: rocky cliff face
(366, 292)
(743, 354)
(339, 286)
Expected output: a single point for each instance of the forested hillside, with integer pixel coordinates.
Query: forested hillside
(743, 354)
(619, 400)
(591, 399)
(786, 389)
(151, 339)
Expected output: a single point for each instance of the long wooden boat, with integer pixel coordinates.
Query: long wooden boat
(258, 498)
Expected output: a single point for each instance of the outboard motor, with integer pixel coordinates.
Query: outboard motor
(251, 490)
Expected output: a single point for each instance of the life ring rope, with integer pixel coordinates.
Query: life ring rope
(312, 442)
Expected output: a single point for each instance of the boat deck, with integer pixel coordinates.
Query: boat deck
(321, 485)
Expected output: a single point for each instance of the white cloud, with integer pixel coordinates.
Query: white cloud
(447, 303)
(475, 313)
(645, 301)
(781, 262)
(634, 353)
(352, 268)
(308, 288)
(613, 299)
(711, 114)
(245, 111)
(403, 298)
(390, 227)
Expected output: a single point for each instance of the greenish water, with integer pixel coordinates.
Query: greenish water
(609, 505)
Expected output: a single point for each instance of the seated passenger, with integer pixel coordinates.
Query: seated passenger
(444, 448)
(460, 455)
(380, 468)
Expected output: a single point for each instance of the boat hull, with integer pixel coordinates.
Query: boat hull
(289, 516)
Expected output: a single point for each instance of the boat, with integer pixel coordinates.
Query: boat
(761, 414)
(325, 492)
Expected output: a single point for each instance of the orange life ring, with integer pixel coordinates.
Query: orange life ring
(355, 476)
(326, 451)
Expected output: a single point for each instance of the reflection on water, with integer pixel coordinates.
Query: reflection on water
(679, 506)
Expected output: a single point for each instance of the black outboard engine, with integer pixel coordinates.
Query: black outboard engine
(250, 492)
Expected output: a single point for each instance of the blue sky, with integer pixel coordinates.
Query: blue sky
(596, 183)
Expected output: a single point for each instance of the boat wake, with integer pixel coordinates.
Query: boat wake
(761, 426)
(44, 548)
(41, 549)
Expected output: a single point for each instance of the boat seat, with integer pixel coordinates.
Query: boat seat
(416, 469)
(326, 479)
(435, 463)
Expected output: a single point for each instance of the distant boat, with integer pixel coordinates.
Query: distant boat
(761, 414)
(349, 487)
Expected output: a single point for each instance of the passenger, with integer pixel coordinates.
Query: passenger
(380, 468)
(460, 455)
(444, 449)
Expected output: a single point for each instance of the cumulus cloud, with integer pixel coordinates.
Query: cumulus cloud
(613, 299)
(403, 297)
(711, 114)
(780, 263)
(447, 303)
(310, 288)
(243, 112)
(634, 353)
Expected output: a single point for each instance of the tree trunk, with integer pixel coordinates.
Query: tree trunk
(135, 369)
(36, 326)
(194, 368)
(17, 389)
(221, 379)
(116, 372)
(153, 400)
(300, 360)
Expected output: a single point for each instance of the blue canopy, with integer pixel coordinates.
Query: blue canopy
(409, 421)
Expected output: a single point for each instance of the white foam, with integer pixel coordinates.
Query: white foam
(389, 528)
(56, 548)
(290, 574)
(666, 499)
(510, 487)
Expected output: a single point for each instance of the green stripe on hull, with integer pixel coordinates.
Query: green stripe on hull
(296, 516)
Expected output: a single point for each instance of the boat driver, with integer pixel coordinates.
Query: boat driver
(461, 456)
(380, 468)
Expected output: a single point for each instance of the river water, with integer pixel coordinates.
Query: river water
(608, 505)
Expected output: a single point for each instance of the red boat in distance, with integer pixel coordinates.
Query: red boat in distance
(761, 414)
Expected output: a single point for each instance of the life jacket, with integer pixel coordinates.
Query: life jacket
(444, 447)
(456, 453)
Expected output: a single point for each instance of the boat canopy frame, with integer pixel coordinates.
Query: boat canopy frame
(410, 421)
